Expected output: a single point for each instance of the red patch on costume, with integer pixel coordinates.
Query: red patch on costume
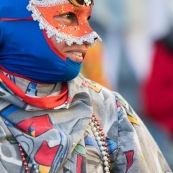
(39, 125)
(79, 164)
(129, 157)
(45, 155)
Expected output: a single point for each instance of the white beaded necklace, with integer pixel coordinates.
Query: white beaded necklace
(101, 140)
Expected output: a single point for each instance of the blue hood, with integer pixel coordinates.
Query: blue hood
(24, 49)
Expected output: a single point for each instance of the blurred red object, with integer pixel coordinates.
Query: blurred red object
(158, 89)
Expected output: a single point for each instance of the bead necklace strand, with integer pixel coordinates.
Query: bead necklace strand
(22, 153)
(101, 140)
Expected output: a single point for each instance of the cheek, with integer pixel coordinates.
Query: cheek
(60, 46)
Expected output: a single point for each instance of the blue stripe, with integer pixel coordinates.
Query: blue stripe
(9, 111)
(8, 123)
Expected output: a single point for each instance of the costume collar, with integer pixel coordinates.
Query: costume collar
(38, 96)
(30, 96)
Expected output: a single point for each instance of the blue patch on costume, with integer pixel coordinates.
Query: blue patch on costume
(31, 89)
(8, 123)
(89, 140)
(112, 146)
(9, 110)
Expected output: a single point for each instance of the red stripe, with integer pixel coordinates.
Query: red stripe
(52, 46)
(16, 19)
(41, 102)
(79, 164)
(18, 75)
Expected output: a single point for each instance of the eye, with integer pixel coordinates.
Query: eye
(77, 2)
(68, 19)
(81, 2)
(89, 17)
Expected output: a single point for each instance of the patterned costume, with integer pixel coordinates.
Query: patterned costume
(61, 140)
(52, 119)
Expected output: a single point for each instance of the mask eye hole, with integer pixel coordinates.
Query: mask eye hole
(68, 19)
(81, 2)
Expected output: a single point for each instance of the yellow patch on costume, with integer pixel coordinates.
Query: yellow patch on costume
(133, 120)
(33, 133)
(95, 86)
(44, 169)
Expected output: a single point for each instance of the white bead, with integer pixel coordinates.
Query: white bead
(102, 148)
(96, 134)
(105, 158)
(100, 143)
(94, 129)
(103, 153)
(106, 168)
(103, 143)
(92, 124)
(98, 138)
(106, 163)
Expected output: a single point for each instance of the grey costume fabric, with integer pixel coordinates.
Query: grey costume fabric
(60, 140)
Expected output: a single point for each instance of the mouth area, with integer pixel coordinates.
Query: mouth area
(75, 55)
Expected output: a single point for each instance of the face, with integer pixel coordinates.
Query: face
(75, 52)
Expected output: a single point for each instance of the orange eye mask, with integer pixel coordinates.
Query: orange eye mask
(65, 20)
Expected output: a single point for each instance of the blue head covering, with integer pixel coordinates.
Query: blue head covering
(24, 49)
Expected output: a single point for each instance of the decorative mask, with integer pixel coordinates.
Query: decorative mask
(45, 11)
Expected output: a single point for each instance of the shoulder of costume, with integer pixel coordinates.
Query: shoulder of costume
(96, 91)
(95, 87)
(92, 85)
(100, 94)
(130, 113)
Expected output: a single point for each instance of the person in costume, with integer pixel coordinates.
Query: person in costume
(54, 120)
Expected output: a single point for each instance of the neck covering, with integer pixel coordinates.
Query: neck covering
(24, 50)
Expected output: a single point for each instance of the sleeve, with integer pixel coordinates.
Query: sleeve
(136, 152)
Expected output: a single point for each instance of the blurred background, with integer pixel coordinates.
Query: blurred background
(136, 60)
